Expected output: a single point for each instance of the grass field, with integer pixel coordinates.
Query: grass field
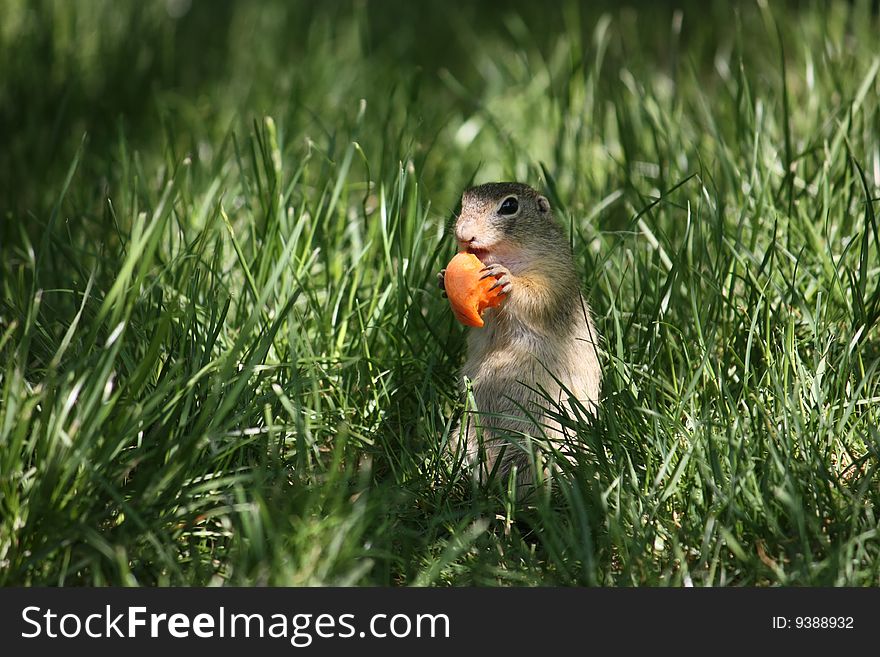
(224, 359)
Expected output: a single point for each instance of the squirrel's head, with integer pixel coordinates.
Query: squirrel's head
(503, 221)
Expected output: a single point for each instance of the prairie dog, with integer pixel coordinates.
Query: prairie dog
(541, 335)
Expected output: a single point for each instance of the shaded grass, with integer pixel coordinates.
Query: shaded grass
(225, 359)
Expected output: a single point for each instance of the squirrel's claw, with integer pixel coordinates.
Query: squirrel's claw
(441, 275)
(502, 274)
(504, 283)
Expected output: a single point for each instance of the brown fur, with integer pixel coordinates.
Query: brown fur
(542, 330)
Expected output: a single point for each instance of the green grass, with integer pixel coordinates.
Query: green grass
(224, 359)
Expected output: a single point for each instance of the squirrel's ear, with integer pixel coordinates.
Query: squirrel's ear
(543, 204)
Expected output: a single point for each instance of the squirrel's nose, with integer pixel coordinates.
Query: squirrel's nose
(464, 241)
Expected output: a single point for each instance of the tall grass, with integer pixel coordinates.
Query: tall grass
(225, 360)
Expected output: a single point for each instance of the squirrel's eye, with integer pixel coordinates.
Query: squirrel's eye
(509, 206)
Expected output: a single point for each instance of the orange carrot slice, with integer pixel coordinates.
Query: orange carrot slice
(468, 295)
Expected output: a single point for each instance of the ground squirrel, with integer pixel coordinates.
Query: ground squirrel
(541, 336)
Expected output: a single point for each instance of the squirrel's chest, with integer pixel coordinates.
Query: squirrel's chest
(498, 348)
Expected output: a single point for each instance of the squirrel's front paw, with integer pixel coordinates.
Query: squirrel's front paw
(441, 282)
(502, 274)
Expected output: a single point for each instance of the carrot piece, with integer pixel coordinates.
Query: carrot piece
(468, 295)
